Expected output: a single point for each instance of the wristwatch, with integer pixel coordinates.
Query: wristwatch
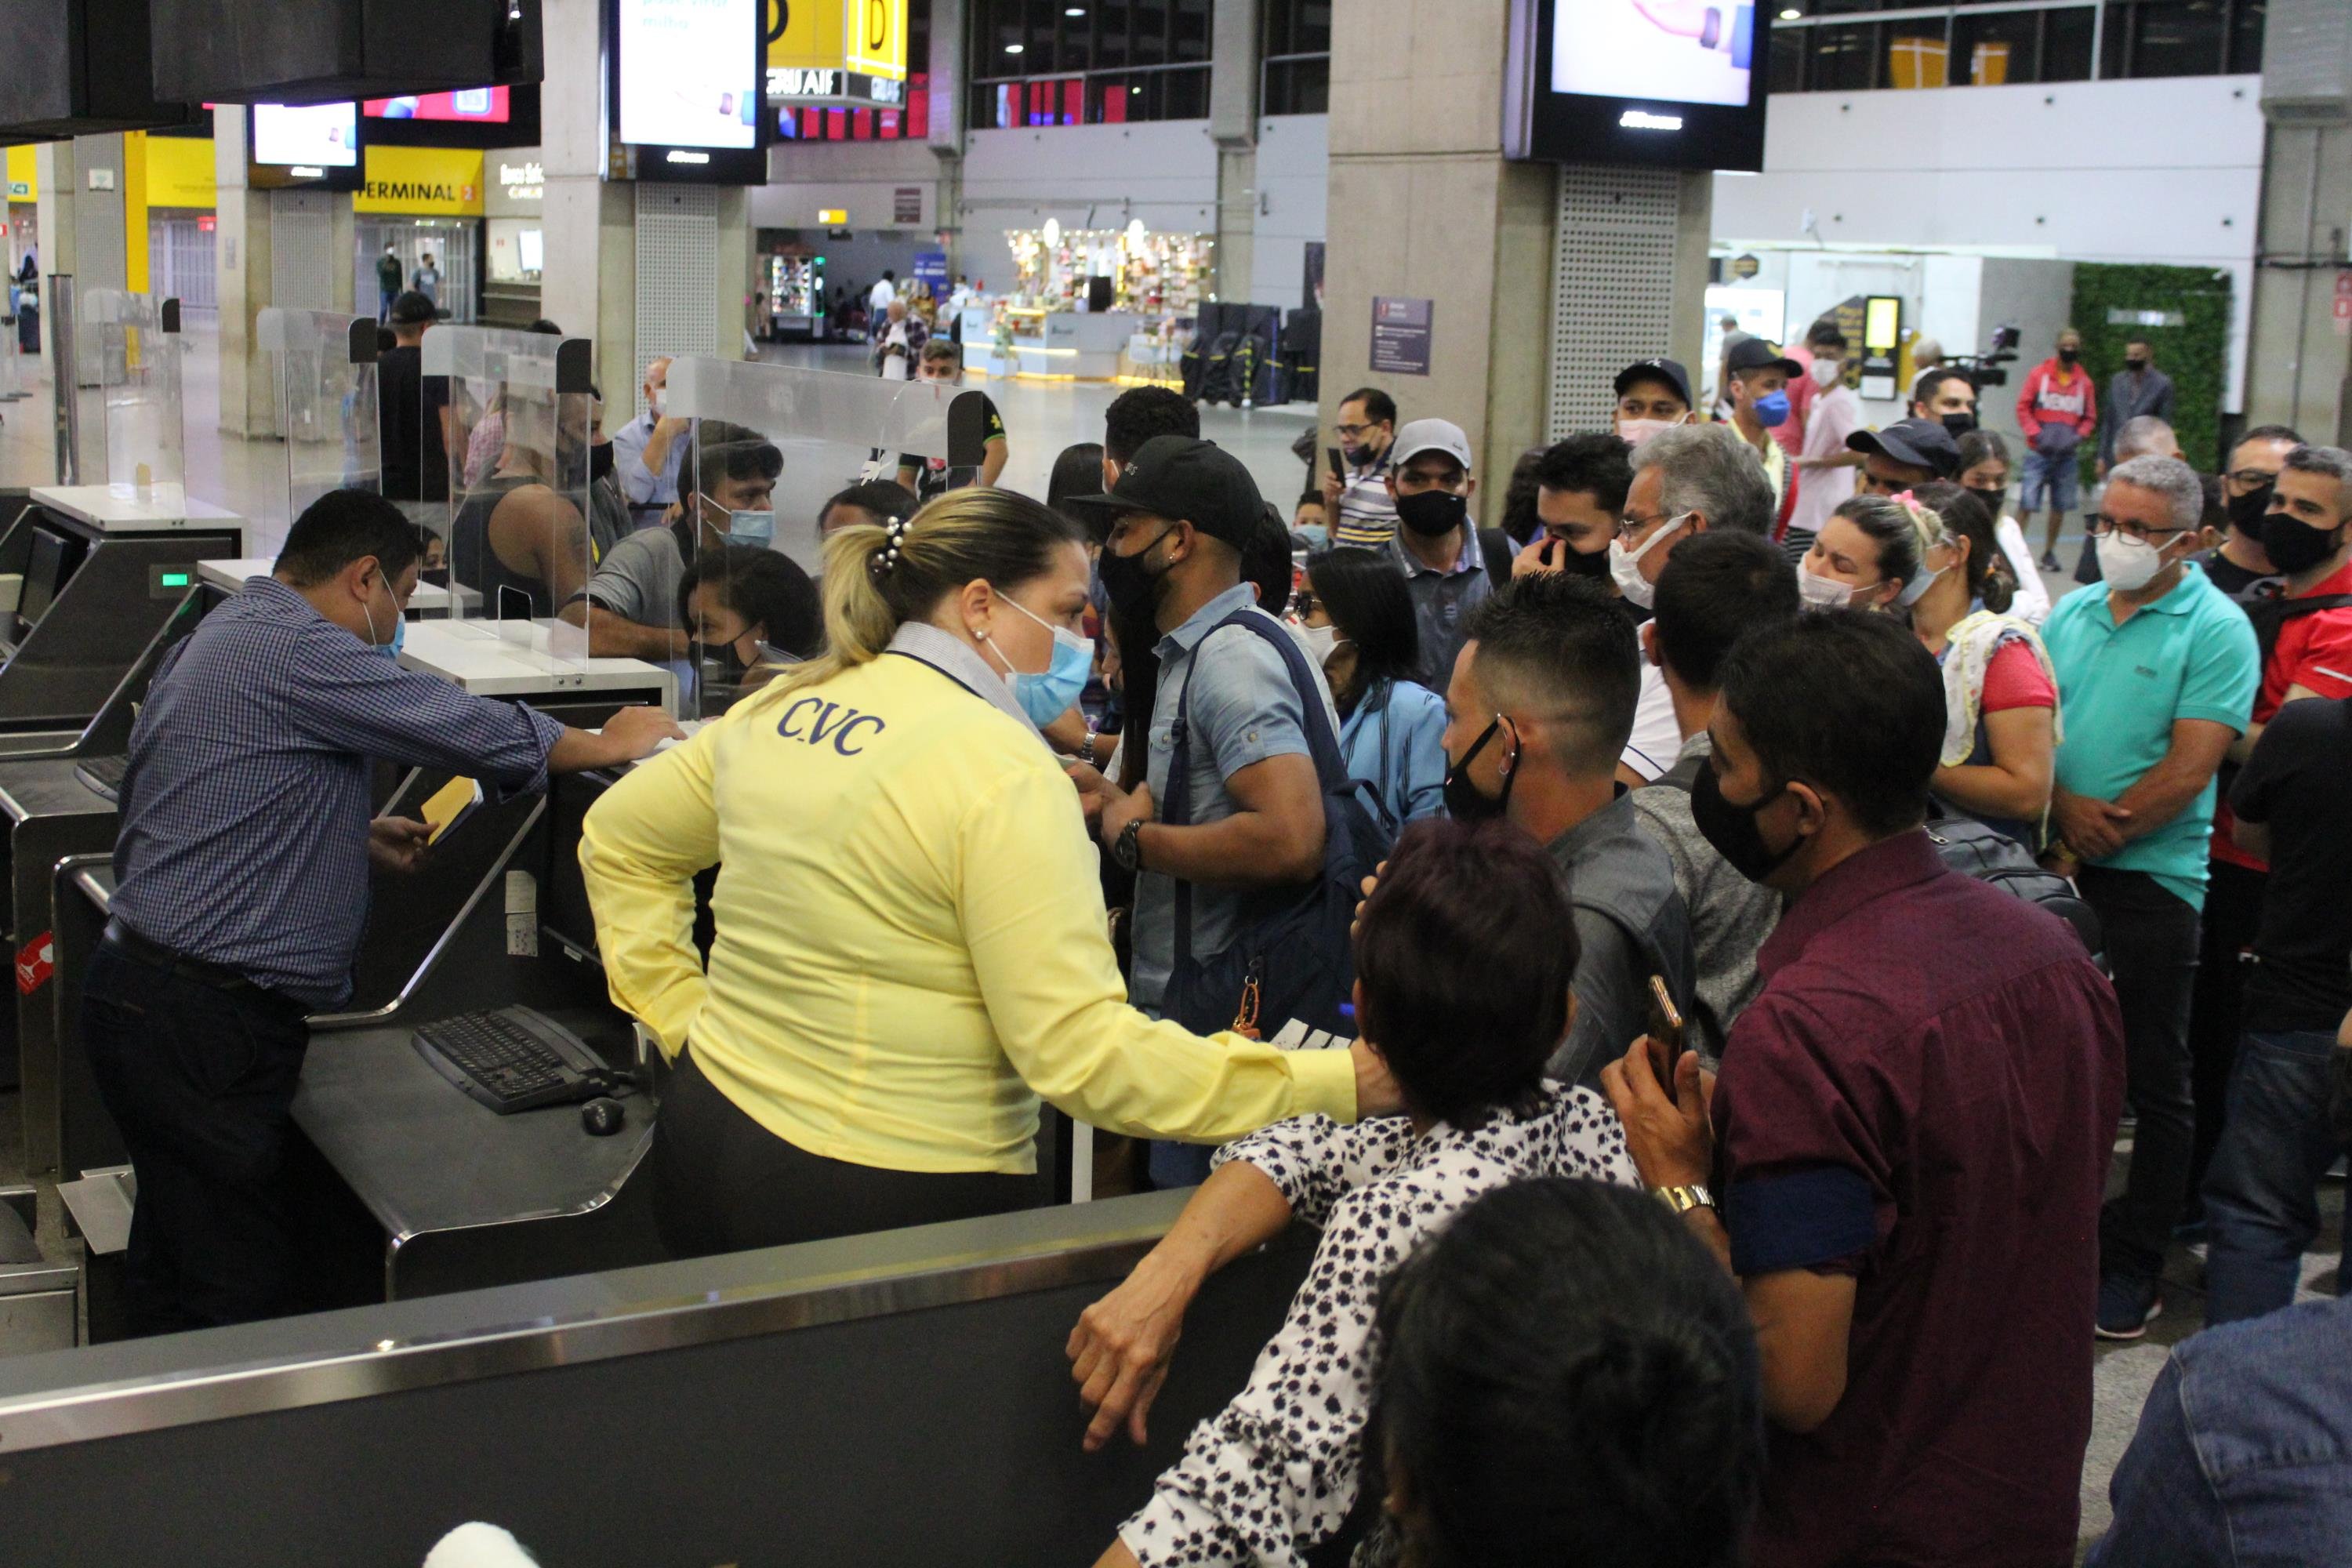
(1129, 849)
(1682, 1200)
(1086, 748)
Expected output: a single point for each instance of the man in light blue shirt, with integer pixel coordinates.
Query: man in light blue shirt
(2157, 671)
(1247, 815)
(646, 451)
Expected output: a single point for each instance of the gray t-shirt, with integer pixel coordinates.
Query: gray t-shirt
(638, 578)
(1243, 710)
(1729, 915)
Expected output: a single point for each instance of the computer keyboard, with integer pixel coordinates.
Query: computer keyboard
(103, 774)
(513, 1059)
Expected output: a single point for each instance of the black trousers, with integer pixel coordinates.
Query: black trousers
(2151, 937)
(2233, 909)
(724, 1184)
(201, 1082)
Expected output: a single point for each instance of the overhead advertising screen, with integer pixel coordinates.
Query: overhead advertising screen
(480, 105)
(844, 51)
(690, 73)
(322, 135)
(1638, 81)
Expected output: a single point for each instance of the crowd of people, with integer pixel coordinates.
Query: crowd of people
(1744, 905)
(1716, 813)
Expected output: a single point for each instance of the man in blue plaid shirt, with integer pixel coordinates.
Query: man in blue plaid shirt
(242, 886)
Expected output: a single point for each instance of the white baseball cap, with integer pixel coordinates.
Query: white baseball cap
(1431, 435)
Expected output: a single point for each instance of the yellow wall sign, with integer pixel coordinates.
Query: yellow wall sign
(22, 185)
(180, 171)
(443, 182)
(865, 37)
(834, 217)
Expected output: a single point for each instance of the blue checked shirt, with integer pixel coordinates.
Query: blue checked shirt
(246, 806)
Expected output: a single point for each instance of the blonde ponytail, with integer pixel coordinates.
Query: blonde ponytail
(879, 577)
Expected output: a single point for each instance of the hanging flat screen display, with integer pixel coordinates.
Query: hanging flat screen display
(687, 84)
(314, 144)
(1674, 82)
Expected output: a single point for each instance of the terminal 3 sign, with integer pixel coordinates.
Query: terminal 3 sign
(836, 51)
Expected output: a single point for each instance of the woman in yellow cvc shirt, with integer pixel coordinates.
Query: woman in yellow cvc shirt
(911, 945)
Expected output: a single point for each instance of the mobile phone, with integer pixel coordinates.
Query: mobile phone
(1338, 472)
(1666, 1034)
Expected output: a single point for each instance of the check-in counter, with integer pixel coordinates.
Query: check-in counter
(96, 576)
(431, 601)
(877, 1400)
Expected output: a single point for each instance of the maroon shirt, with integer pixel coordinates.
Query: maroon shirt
(1924, 1096)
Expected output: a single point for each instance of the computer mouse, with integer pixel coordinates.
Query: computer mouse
(603, 1118)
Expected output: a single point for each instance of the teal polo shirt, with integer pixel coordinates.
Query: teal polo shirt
(2191, 655)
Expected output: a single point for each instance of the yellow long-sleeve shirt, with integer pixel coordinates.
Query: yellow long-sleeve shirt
(911, 942)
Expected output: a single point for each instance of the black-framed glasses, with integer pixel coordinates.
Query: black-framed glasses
(2101, 525)
(1304, 604)
(2252, 479)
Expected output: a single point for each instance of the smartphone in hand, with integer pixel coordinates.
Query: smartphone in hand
(1665, 1035)
(1338, 470)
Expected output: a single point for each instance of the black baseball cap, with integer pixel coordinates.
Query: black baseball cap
(1921, 443)
(1186, 479)
(412, 308)
(1758, 354)
(1668, 371)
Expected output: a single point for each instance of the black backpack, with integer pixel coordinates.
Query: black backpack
(1292, 958)
(1973, 849)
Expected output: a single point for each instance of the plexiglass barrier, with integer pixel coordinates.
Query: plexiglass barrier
(135, 342)
(515, 409)
(325, 362)
(771, 444)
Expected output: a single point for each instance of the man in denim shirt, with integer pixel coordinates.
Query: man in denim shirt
(2244, 1449)
(1183, 513)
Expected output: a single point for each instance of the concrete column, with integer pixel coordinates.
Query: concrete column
(589, 283)
(83, 185)
(950, 107)
(241, 253)
(1422, 205)
(2298, 356)
(1234, 75)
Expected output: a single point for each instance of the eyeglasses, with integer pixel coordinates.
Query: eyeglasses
(2102, 525)
(1630, 525)
(1350, 432)
(1303, 604)
(2252, 478)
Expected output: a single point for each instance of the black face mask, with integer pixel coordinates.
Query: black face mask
(1432, 513)
(1133, 587)
(1577, 563)
(1993, 501)
(2068, 356)
(1732, 829)
(600, 461)
(2247, 511)
(2135, 364)
(1959, 423)
(2294, 546)
(1463, 801)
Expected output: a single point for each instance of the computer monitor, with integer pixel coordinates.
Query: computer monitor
(50, 561)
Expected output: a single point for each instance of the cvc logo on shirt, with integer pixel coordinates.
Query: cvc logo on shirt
(830, 722)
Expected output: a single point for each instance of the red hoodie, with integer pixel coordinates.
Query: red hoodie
(2052, 395)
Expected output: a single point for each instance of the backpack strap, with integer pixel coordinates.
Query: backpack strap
(1495, 545)
(2271, 616)
(1322, 743)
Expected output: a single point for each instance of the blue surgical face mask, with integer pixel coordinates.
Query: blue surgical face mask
(390, 650)
(751, 528)
(1047, 697)
(1772, 409)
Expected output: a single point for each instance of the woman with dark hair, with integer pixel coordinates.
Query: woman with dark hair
(753, 610)
(1567, 1377)
(1077, 471)
(1899, 553)
(1984, 474)
(1464, 955)
(910, 948)
(1354, 616)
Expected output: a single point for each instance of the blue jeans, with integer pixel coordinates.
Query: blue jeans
(2049, 481)
(2262, 1193)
